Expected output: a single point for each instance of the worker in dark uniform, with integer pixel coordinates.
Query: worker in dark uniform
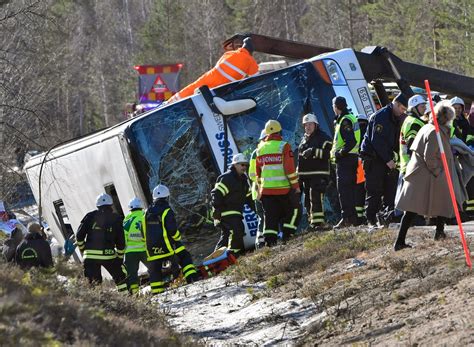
(228, 197)
(314, 153)
(345, 151)
(163, 240)
(379, 153)
(101, 242)
(34, 250)
(360, 189)
(278, 186)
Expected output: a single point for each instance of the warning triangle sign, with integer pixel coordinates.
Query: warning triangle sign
(159, 86)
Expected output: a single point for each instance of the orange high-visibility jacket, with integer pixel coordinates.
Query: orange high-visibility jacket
(232, 66)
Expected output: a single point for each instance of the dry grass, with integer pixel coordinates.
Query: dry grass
(306, 254)
(37, 309)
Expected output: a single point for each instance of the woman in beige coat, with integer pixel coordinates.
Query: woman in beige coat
(425, 190)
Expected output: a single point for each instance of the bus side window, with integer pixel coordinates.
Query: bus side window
(110, 189)
(66, 228)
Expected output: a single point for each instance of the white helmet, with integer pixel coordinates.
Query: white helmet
(239, 158)
(310, 118)
(263, 134)
(416, 100)
(457, 100)
(362, 117)
(135, 203)
(103, 200)
(160, 191)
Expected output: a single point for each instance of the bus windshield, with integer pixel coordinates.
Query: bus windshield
(285, 95)
(168, 147)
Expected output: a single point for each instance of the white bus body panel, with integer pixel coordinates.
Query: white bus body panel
(77, 174)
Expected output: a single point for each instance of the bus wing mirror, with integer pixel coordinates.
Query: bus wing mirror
(233, 106)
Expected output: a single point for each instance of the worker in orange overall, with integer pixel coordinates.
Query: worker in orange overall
(232, 66)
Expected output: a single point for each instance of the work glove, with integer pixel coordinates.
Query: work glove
(217, 222)
(339, 154)
(248, 45)
(307, 153)
(216, 214)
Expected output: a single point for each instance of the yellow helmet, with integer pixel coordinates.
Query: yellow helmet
(272, 127)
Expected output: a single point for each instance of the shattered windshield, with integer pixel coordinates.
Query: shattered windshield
(168, 148)
(285, 95)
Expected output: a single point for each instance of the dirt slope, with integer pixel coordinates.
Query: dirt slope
(311, 291)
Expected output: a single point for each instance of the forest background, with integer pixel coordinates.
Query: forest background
(66, 66)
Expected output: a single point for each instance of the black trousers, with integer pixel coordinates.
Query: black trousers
(157, 283)
(132, 263)
(314, 188)
(92, 271)
(346, 178)
(360, 201)
(469, 204)
(232, 234)
(280, 210)
(381, 187)
(407, 221)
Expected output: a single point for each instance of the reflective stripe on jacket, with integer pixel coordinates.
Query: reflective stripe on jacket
(230, 193)
(276, 172)
(339, 143)
(161, 233)
(232, 66)
(133, 232)
(100, 235)
(410, 127)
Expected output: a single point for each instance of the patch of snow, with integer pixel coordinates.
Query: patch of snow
(218, 311)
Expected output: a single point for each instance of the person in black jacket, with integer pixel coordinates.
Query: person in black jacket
(228, 197)
(163, 240)
(34, 250)
(314, 153)
(360, 187)
(101, 241)
(379, 152)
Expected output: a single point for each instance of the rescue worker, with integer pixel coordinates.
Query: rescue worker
(278, 186)
(228, 197)
(461, 126)
(163, 241)
(360, 188)
(232, 66)
(259, 241)
(101, 242)
(135, 248)
(410, 127)
(34, 250)
(345, 151)
(314, 153)
(462, 130)
(379, 153)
